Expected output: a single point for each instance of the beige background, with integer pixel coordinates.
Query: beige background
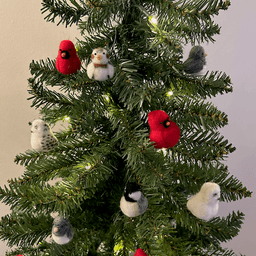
(26, 36)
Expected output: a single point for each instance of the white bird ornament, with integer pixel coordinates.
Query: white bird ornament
(133, 203)
(42, 138)
(205, 204)
(100, 68)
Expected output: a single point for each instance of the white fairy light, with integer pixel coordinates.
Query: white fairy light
(170, 93)
(67, 118)
(153, 20)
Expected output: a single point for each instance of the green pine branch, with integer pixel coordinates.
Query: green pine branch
(62, 10)
(24, 229)
(45, 98)
(191, 110)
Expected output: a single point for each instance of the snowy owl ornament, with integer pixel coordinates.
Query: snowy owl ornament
(100, 68)
(205, 204)
(133, 203)
(62, 231)
(42, 138)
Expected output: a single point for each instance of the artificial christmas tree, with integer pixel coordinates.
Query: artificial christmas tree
(107, 144)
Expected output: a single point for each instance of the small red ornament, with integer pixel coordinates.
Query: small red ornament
(140, 252)
(67, 61)
(164, 132)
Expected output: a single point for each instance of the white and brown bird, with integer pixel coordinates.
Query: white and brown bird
(42, 138)
(133, 203)
(100, 68)
(205, 204)
(62, 231)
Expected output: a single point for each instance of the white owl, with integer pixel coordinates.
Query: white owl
(99, 68)
(42, 138)
(205, 204)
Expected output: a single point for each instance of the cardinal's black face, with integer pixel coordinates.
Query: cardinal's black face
(65, 54)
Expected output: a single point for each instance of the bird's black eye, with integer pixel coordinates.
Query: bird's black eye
(60, 49)
(104, 53)
(215, 194)
(95, 53)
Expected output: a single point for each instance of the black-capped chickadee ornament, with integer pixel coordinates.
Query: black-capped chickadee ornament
(100, 68)
(42, 138)
(205, 204)
(196, 62)
(62, 231)
(133, 203)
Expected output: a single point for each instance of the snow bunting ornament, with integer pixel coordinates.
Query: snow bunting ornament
(62, 231)
(99, 68)
(42, 138)
(205, 204)
(133, 203)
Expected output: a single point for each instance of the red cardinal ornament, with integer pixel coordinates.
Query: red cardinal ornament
(67, 61)
(140, 252)
(164, 132)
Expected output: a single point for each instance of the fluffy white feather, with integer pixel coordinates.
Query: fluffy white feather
(205, 204)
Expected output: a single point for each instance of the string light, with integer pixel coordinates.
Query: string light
(170, 93)
(153, 20)
(66, 118)
(106, 97)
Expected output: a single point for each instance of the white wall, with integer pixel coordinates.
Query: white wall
(26, 36)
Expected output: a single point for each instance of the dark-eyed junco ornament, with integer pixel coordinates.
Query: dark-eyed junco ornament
(100, 68)
(163, 132)
(67, 61)
(133, 203)
(140, 252)
(42, 138)
(62, 231)
(205, 204)
(196, 60)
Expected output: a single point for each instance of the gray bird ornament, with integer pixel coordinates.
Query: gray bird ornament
(195, 61)
(205, 204)
(42, 138)
(133, 203)
(62, 231)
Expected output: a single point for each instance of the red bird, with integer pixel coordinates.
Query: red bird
(164, 132)
(67, 61)
(140, 252)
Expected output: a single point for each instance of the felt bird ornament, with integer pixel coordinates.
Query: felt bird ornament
(67, 61)
(163, 132)
(133, 203)
(205, 204)
(42, 138)
(62, 231)
(99, 68)
(196, 61)
(140, 252)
